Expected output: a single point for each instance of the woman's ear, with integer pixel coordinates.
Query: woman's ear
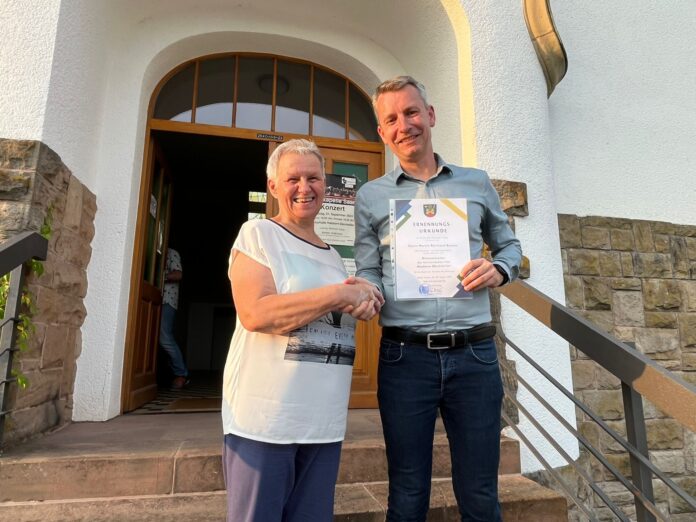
(271, 183)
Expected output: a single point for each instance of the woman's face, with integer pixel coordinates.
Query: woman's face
(299, 186)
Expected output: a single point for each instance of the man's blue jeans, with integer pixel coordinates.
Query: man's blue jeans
(168, 342)
(464, 384)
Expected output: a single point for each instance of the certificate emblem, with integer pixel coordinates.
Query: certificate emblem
(430, 210)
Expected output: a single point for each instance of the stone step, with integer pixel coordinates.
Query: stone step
(522, 501)
(189, 468)
(198, 507)
(109, 476)
(366, 461)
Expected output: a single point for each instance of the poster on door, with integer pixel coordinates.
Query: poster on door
(335, 222)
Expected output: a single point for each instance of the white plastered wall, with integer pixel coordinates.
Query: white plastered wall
(116, 65)
(513, 143)
(623, 119)
(26, 55)
(52, 58)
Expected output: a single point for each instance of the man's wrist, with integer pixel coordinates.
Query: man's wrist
(502, 272)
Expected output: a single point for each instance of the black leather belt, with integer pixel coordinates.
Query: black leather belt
(440, 340)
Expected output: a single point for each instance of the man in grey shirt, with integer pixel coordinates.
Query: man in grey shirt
(435, 354)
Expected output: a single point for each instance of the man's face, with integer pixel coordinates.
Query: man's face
(299, 186)
(404, 123)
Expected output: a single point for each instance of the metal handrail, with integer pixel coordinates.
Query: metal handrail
(14, 253)
(599, 491)
(639, 375)
(632, 488)
(632, 450)
(671, 394)
(20, 249)
(547, 466)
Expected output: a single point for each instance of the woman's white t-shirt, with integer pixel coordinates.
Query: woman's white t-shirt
(290, 388)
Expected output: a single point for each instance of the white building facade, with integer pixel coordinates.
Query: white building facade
(614, 140)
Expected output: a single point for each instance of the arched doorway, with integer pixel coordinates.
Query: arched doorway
(212, 122)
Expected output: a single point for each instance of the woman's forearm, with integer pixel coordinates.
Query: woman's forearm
(261, 309)
(283, 313)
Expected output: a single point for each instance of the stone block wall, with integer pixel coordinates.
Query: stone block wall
(636, 280)
(34, 182)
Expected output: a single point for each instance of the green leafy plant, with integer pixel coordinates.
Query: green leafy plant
(24, 324)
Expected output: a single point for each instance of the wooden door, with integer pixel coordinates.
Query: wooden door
(364, 166)
(152, 231)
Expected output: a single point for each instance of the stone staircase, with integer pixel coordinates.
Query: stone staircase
(157, 467)
(361, 493)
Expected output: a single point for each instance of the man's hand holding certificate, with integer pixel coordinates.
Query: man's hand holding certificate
(429, 247)
(481, 273)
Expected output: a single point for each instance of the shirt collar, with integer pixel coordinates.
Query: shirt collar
(442, 168)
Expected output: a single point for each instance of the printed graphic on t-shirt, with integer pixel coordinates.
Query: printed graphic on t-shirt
(329, 340)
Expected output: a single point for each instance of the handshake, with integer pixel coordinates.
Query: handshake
(361, 299)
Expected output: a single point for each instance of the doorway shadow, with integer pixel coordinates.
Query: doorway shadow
(212, 178)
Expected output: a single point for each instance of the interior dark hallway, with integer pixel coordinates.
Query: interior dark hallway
(212, 179)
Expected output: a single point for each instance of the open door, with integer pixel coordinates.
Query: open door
(152, 231)
(364, 166)
(363, 392)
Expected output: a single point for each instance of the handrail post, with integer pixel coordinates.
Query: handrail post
(8, 338)
(636, 435)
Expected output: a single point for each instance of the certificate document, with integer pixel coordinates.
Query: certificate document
(429, 247)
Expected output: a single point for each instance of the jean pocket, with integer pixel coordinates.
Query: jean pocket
(485, 351)
(390, 352)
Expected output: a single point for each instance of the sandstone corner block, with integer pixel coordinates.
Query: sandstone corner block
(569, 228)
(34, 181)
(513, 196)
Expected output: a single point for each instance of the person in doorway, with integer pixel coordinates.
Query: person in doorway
(435, 354)
(170, 302)
(285, 396)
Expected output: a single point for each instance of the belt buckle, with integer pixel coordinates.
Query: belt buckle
(429, 341)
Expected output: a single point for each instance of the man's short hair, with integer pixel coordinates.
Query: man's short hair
(396, 84)
(297, 146)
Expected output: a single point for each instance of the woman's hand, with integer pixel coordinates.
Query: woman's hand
(365, 311)
(368, 299)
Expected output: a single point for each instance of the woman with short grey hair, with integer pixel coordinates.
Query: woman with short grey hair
(288, 372)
